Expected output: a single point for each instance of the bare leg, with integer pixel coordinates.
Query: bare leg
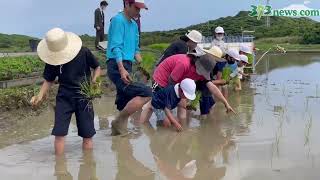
(59, 145)
(87, 144)
(238, 85)
(119, 125)
(182, 112)
(225, 91)
(146, 113)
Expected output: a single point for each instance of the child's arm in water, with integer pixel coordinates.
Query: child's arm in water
(173, 120)
(217, 93)
(43, 92)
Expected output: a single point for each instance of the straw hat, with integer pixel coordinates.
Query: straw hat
(59, 47)
(216, 52)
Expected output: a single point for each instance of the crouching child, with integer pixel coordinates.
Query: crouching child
(66, 59)
(167, 99)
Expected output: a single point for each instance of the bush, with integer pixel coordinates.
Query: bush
(312, 35)
(17, 67)
(15, 98)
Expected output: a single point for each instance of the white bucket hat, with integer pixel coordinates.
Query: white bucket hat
(244, 58)
(219, 29)
(194, 36)
(245, 49)
(188, 87)
(59, 47)
(216, 52)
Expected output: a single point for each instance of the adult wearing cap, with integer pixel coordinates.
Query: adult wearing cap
(246, 50)
(66, 59)
(178, 67)
(218, 40)
(123, 50)
(185, 44)
(99, 22)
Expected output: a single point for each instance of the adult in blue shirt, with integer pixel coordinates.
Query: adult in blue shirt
(123, 50)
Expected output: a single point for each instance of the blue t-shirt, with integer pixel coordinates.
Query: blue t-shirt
(219, 68)
(123, 38)
(165, 98)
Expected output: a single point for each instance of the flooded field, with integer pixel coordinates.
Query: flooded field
(274, 136)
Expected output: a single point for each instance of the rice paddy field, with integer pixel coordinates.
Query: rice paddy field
(274, 136)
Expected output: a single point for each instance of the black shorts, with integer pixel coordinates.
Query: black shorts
(65, 107)
(125, 93)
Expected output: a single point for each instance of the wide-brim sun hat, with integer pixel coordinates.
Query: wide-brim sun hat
(216, 52)
(59, 47)
(205, 65)
(194, 36)
(188, 87)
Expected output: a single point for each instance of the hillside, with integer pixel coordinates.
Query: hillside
(14, 43)
(304, 30)
(280, 27)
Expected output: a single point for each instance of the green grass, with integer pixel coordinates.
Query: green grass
(17, 67)
(14, 43)
(290, 47)
(159, 47)
(289, 43)
(25, 66)
(149, 61)
(101, 56)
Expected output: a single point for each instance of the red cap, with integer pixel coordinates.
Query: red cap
(138, 3)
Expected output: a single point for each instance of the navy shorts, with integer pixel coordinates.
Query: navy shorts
(206, 101)
(65, 107)
(125, 93)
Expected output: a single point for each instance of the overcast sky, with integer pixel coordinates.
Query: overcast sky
(35, 17)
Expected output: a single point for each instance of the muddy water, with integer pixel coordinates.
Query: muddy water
(274, 136)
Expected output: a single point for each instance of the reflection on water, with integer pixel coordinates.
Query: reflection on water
(127, 166)
(274, 136)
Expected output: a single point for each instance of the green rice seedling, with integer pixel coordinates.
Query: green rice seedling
(195, 103)
(91, 91)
